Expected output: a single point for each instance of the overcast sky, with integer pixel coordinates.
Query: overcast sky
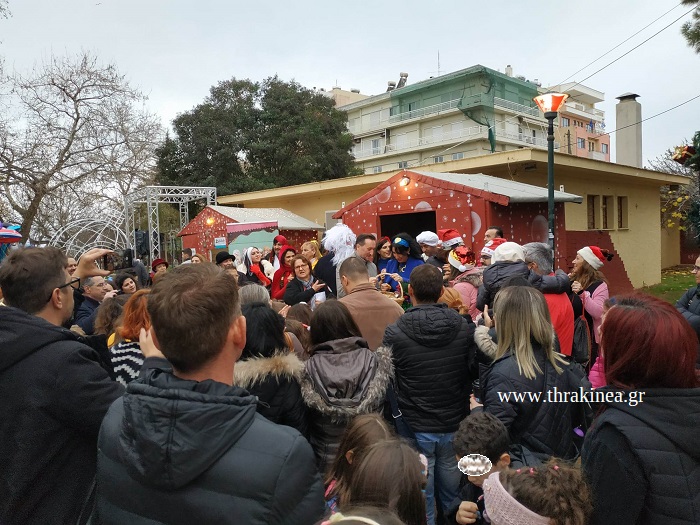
(174, 50)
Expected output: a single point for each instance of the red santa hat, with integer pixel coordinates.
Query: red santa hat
(491, 246)
(461, 258)
(450, 238)
(593, 256)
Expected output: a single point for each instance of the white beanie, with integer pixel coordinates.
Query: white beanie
(508, 251)
(428, 238)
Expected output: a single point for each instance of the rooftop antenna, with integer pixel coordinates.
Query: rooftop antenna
(438, 72)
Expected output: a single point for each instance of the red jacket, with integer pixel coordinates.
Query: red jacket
(282, 276)
(562, 314)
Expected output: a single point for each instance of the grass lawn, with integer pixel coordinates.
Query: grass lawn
(674, 282)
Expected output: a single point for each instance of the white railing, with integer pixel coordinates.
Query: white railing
(533, 141)
(422, 112)
(515, 107)
(423, 141)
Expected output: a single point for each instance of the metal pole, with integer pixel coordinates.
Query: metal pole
(550, 116)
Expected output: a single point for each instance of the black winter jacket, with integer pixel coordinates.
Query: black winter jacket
(275, 382)
(54, 396)
(434, 363)
(325, 271)
(180, 452)
(295, 293)
(497, 274)
(642, 462)
(342, 379)
(545, 428)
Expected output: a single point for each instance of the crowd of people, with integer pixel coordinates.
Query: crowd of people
(359, 380)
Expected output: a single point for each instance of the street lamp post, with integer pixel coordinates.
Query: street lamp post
(550, 103)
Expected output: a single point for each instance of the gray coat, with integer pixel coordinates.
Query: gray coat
(343, 378)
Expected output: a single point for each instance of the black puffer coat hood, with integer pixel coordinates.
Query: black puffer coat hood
(173, 429)
(22, 334)
(433, 325)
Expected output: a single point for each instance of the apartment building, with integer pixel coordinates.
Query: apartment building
(465, 114)
(581, 130)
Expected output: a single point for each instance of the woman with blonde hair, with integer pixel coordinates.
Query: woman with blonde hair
(311, 251)
(527, 367)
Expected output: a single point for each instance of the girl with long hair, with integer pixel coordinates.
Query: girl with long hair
(362, 432)
(256, 270)
(390, 475)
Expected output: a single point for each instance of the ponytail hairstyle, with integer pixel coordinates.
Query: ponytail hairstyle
(553, 490)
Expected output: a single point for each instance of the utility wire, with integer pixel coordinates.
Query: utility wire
(618, 45)
(643, 120)
(635, 47)
(511, 119)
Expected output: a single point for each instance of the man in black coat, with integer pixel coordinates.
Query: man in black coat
(434, 362)
(183, 445)
(54, 392)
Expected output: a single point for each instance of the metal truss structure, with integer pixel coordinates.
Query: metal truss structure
(80, 235)
(152, 196)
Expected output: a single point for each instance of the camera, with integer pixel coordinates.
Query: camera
(120, 260)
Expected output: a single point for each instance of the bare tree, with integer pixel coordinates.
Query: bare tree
(72, 129)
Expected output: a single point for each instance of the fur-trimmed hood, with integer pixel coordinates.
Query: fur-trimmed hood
(367, 383)
(255, 370)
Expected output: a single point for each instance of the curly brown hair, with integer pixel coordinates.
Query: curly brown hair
(554, 490)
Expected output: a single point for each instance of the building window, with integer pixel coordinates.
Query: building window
(593, 211)
(375, 146)
(581, 143)
(457, 156)
(403, 164)
(412, 106)
(608, 212)
(604, 148)
(438, 158)
(591, 145)
(622, 213)
(377, 169)
(565, 122)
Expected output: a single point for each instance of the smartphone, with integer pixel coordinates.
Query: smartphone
(120, 260)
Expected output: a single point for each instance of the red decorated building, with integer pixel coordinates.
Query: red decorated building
(224, 223)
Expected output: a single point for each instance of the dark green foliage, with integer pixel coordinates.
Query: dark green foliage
(250, 136)
(691, 30)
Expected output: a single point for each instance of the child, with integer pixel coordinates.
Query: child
(362, 432)
(479, 433)
(550, 494)
(391, 476)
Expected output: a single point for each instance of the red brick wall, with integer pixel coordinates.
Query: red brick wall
(614, 270)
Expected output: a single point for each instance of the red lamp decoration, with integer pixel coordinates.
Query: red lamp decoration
(681, 154)
(550, 101)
